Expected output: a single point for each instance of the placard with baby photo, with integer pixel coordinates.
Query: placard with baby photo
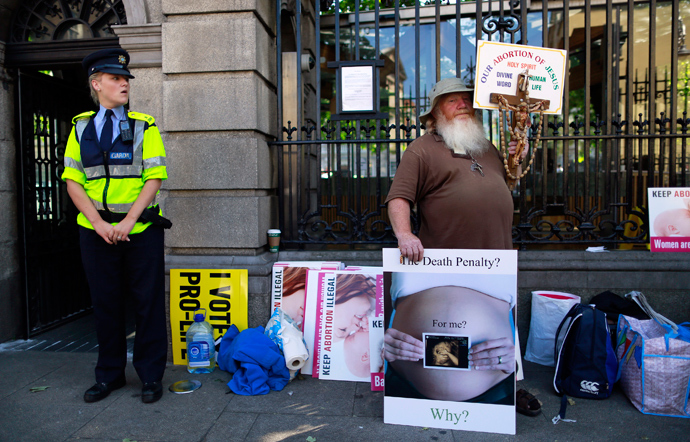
(346, 318)
(288, 286)
(450, 340)
(312, 309)
(446, 352)
(669, 219)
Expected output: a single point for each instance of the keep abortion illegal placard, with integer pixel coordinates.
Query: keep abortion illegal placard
(669, 219)
(498, 66)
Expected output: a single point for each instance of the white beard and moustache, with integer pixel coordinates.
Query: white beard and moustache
(464, 136)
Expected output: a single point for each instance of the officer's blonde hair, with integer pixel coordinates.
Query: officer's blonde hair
(94, 95)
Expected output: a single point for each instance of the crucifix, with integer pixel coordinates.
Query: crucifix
(521, 108)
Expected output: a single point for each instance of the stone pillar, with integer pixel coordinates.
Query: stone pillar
(11, 301)
(219, 111)
(213, 94)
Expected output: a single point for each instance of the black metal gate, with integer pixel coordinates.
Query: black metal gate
(55, 284)
(47, 41)
(624, 126)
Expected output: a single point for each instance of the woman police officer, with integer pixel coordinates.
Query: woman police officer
(114, 167)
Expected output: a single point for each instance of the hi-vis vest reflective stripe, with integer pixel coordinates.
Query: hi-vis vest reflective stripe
(120, 208)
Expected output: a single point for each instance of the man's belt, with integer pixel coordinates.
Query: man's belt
(150, 214)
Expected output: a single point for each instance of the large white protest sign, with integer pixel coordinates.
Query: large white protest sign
(459, 305)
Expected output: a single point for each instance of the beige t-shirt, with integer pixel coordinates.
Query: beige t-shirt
(458, 208)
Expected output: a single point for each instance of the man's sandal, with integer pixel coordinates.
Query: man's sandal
(526, 403)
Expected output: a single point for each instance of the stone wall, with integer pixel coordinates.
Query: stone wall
(11, 302)
(206, 71)
(219, 112)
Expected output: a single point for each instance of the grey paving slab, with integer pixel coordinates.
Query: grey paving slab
(231, 427)
(78, 439)
(270, 428)
(614, 418)
(65, 384)
(324, 410)
(176, 417)
(42, 420)
(477, 436)
(367, 402)
(307, 396)
(23, 369)
(155, 422)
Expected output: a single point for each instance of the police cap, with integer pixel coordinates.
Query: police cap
(111, 61)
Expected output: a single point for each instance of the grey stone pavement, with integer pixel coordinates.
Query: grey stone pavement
(307, 409)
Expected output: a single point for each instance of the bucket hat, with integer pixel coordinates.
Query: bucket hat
(445, 86)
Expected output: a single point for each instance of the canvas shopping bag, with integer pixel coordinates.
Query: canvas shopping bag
(548, 310)
(654, 376)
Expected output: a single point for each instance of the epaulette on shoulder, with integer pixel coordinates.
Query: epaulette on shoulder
(139, 116)
(83, 115)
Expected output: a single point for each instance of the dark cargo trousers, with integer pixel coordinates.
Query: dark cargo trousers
(129, 271)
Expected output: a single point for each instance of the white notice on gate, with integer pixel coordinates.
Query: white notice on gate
(357, 88)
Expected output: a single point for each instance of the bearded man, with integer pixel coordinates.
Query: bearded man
(455, 177)
(457, 180)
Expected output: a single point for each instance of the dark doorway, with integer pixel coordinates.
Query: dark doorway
(55, 285)
(45, 46)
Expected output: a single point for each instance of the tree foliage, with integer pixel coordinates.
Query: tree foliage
(328, 6)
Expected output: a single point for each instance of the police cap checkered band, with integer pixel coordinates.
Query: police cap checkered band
(111, 61)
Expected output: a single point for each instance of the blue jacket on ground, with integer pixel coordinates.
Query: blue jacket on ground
(256, 362)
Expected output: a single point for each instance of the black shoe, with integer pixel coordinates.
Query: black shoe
(101, 390)
(151, 392)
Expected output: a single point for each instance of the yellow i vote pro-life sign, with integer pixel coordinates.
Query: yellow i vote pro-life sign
(223, 293)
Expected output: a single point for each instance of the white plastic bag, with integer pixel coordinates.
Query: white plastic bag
(548, 310)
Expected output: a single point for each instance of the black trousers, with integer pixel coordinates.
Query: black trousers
(135, 270)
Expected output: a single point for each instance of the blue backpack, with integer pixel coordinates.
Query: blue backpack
(586, 364)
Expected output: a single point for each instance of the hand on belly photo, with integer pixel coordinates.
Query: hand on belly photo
(449, 314)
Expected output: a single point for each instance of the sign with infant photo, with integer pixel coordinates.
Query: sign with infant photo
(348, 330)
(669, 219)
(450, 340)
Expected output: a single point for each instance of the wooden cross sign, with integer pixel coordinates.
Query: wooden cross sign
(521, 108)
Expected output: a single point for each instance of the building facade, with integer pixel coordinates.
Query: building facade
(222, 78)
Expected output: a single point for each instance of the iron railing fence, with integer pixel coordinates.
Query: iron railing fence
(623, 128)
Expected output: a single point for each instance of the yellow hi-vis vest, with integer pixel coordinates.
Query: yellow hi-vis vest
(114, 184)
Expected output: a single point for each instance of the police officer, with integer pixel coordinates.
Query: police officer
(114, 167)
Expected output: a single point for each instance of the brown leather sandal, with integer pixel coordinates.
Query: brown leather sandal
(526, 403)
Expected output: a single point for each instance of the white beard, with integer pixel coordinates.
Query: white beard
(464, 136)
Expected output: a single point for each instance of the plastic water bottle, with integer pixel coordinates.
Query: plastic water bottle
(201, 351)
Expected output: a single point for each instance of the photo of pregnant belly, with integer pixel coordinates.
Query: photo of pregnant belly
(432, 316)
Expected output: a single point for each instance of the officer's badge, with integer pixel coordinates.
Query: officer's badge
(122, 60)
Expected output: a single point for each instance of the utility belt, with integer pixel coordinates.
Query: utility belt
(150, 214)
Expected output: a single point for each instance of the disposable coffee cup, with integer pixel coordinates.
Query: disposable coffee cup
(273, 240)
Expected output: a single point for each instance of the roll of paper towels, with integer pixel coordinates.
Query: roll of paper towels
(294, 350)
